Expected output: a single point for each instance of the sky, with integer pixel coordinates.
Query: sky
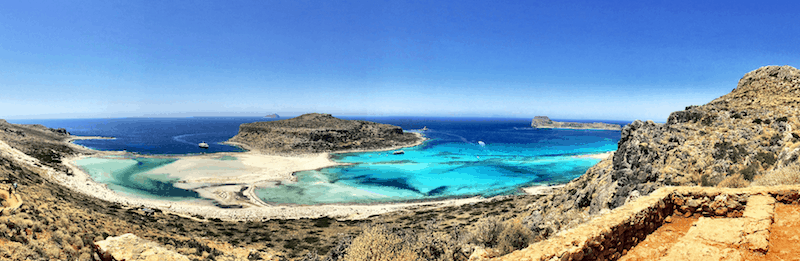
(613, 60)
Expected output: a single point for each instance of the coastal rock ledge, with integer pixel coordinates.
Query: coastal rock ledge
(315, 133)
(545, 122)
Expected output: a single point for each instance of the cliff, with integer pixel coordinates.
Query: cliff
(742, 137)
(312, 133)
(545, 122)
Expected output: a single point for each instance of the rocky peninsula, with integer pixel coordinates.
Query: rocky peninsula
(318, 133)
(544, 122)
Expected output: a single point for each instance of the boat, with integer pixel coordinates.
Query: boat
(203, 145)
(398, 152)
(425, 128)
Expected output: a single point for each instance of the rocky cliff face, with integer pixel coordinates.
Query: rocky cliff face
(312, 133)
(727, 142)
(545, 122)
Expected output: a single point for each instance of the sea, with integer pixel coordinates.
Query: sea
(462, 157)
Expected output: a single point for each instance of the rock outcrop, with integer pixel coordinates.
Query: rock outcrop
(129, 247)
(313, 133)
(727, 142)
(545, 122)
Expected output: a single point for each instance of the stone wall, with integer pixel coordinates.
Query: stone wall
(609, 236)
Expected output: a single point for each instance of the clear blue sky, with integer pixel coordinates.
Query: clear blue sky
(567, 59)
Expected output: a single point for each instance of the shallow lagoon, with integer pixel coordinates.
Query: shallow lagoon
(126, 175)
(435, 171)
(452, 163)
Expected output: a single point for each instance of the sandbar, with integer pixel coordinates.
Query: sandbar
(230, 178)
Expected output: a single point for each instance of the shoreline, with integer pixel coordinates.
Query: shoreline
(222, 192)
(549, 188)
(600, 156)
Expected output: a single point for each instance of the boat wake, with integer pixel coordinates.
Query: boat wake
(182, 138)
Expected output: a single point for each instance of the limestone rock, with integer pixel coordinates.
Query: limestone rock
(129, 247)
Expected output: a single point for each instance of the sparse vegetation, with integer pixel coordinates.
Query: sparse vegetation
(788, 175)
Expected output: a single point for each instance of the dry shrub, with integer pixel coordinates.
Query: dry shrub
(788, 175)
(503, 236)
(735, 181)
(380, 243)
(514, 236)
(487, 232)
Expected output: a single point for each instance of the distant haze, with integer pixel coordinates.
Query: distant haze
(564, 59)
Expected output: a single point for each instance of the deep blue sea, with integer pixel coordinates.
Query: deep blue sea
(464, 157)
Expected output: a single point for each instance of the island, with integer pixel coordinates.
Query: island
(544, 122)
(272, 116)
(319, 133)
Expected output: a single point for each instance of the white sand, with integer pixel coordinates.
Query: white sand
(541, 189)
(249, 168)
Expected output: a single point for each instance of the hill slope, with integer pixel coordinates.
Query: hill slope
(728, 142)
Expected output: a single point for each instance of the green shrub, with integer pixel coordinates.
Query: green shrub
(766, 158)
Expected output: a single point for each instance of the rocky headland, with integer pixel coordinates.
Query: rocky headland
(745, 137)
(317, 133)
(545, 122)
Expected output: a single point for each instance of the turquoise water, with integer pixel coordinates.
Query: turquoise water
(464, 157)
(440, 169)
(125, 175)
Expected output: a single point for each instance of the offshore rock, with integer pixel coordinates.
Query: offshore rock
(545, 122)
(129, 247)
(725, 143)
(313, 133)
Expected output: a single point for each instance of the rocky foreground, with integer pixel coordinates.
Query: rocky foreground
(315, 133)
(745, 137)
(546, 123)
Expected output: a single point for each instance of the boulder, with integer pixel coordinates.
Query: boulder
(130, 247)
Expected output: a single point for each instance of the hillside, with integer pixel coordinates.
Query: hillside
(314, 132)
(746, 136)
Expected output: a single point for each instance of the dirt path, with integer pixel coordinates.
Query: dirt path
(766, 231)
(784, 241)
(11, 202)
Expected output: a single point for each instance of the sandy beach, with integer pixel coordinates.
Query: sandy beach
(233, 181)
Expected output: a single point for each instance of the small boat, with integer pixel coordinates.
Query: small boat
(425, 128)
(398, 152)
(203, 145)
